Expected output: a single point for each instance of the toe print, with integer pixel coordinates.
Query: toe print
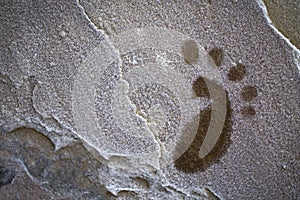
(237, 73)
(248, 111)
(217, 55)
(248, 93)
(189, 161)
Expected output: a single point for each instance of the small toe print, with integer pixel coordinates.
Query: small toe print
(217, 55)
(248, 111)
(237, 73)
(6, 176)
(249, 93)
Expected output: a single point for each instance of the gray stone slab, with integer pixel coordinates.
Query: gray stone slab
(149, 100)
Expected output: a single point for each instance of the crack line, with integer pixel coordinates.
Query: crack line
(140, 115)
(96, 28)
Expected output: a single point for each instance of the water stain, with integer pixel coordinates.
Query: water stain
(217, 55)
(237, 73)
(35, 149)
(189, 161)
(249, 93)
(285, 17)
(190, 52)
(31, 138)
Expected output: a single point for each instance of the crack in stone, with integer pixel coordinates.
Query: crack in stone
(41, 120)
(141, 116)
(263, 6)
(210, 194)
(96, 28)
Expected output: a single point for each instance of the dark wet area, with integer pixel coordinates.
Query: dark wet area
(217, 55)
(189, 161)
(237, 73)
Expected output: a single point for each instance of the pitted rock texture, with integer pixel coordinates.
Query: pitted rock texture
(48, 152)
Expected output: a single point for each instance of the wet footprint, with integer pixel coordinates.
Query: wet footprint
(189, 161)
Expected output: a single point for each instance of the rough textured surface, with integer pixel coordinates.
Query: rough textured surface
(153, 75)
(285, 16)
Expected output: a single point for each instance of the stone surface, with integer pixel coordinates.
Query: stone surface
(285, 16)
(149, 100)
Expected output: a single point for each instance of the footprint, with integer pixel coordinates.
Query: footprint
(189, 161)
